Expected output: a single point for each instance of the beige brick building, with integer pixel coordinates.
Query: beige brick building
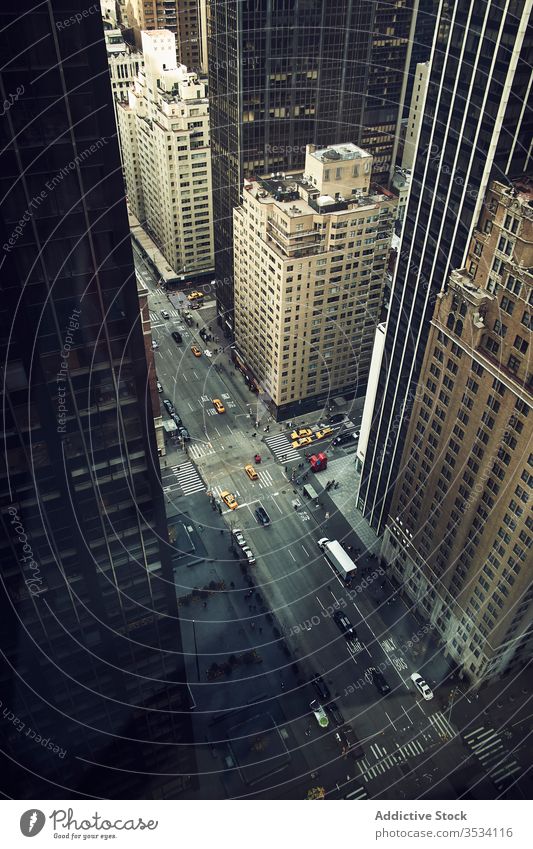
(460, 528)
(310, 253)
(164, 135)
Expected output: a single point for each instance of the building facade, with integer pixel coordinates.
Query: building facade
(181, 17)
(475, 125)
(282, 74)
(124, 65)
(460, 530)
(311, 253)
(92, 678)
(164, 134)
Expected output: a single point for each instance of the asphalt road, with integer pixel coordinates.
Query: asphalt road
(401, 732)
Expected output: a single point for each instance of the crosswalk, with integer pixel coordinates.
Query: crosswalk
(200, 449)
(265, 479)
(281, 448)
(487, 745)
(188, 478)
(156, 316)
(385, 760)
(359, 793)
(442, 726)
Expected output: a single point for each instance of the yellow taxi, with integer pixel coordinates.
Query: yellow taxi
(303, 431)
(218, 405)
(301, 441)
(196, 351)
(251, 472)
(229, 500)
(194, 296)
(321, 434)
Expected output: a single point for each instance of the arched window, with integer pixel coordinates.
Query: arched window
(451, 321)
(458, 327)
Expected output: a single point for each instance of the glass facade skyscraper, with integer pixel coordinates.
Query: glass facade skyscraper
(286, 73)
(91, 671)
(477, 126)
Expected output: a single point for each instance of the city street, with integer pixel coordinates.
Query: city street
(406, 740)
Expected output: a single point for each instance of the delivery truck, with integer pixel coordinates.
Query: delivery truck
(339, 559)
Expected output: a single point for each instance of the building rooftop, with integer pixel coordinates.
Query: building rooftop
(340, 152)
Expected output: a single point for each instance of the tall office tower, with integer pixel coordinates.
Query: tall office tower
(181, 17)
(476, 124)
(311, 254)
(281, 74)
(91, 670)
(384, 88)
(164, 134)
(460, 530)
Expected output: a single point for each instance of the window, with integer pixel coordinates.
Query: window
(499, 328)
(513, 364)
(507, 305)
(513, 285)
(491, 345)
(521, 344)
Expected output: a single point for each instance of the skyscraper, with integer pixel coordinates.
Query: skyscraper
(460, 530)
(282, 74)
(476, 125)
(182, 17)
(164, 136)
(91, 673)
(306, 310)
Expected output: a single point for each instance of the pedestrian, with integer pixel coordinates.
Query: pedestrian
(205, 604)
(232, 585)
(283, 685)
(260, 630)
(252, 625)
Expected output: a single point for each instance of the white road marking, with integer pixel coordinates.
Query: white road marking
(407, 715)
(291, 554)
(390, 720)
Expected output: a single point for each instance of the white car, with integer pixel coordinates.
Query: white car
(423, 688)
(320, 714)
(155, 345)
(249, 554)
(208, 353)
(239, 537)
(159, 386)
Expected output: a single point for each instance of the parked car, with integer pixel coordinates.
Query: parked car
(208, 353)
(374, 676)
(165, 314)
(155, 345)
(319, 713)
(344, 624)
(178, 339)
(237, 533)
(249, 554)
(196, 351)
(218, 405)
(423, 688)
(262, 516)
(159, 386)
(175, 418)
(229, 500)
(251, 472)
(335, 714)
(321, 687)
(168, 405)
(184, 434)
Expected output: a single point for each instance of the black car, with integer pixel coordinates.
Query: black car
(176, 419)
(184, 434)
(262, 516)
(177, 337)
(168, 405)
(344, 624)
(321, 687)
(379, 681)
(335, 714)
(345, 438)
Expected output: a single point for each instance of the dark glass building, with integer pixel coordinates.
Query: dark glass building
(91, 672)
(477, 126)
(283, 74)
